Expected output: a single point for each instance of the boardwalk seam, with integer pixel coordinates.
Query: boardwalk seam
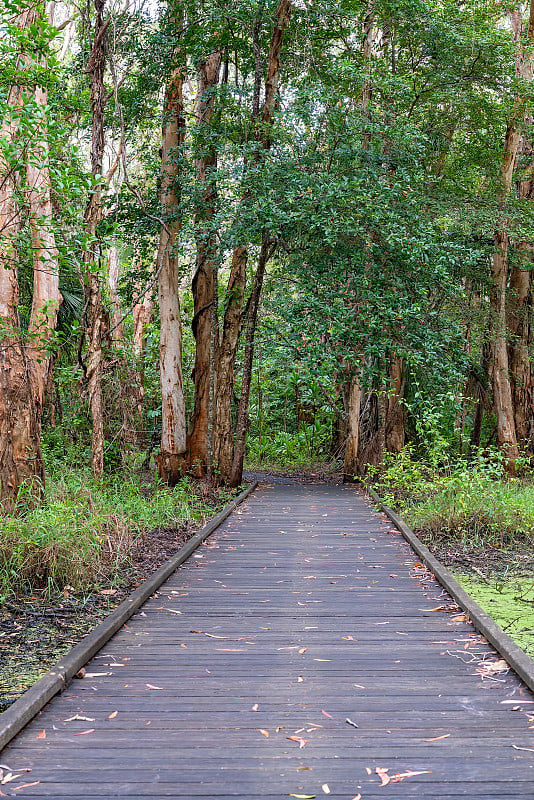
(518, 660)
(58, 678)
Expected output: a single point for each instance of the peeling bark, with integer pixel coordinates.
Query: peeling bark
(204, 279)
(171, 460)
(395, 433)
(354, 401)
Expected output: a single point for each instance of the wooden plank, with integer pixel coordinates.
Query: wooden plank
(346, 592)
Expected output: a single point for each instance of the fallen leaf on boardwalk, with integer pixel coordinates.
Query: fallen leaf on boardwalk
(348, 638)
(326, 788)
(255, 707)
(530, 749)
(358, 797)
(399, 776)
(493, 667)
(326, 714)
(9, 777)
(437, 738)
(304, 796)
(302, 768)
(280, 728)
(369, 771)
(82, 733)
(172, 611)
(264, 732)
(300, 679)
(515, 702)
(302, 650)
(383, 775)
(26, 785)
(42, 735)
(358, 686)
(95, 674)
(322, 659)
(159, 688)
(437, 608)
(79, 717)
(113, 715)
(80, 673)
(460, 618)
(213, 636)
(299, 739)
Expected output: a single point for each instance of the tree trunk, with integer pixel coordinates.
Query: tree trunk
(114, 299)
(93, 216)
(503, 398)
(242, 422)
(354, 401)
(263, 134)
(204, 279)
(171, 459)
(395, 433)
(502, 392)
(23, 369)
(226, 356)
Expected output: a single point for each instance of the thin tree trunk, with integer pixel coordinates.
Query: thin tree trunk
(500, 366)
(93, 216)
(226, 357)
(204, 279)
(114, 299)
(519, 311)
(354, 402)
(263, 133)
(171, 459)
(242, 422)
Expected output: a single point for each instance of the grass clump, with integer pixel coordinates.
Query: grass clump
(82, 531)
(472, 502)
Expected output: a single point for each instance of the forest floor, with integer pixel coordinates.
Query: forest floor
(37, 629)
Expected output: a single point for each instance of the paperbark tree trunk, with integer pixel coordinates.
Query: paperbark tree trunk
(93, 216)
(519, 311)
(395, 433)
(24, 367)
(199, 449)
(353, 408)
(20, 450)
(171, 460)
(500, 365)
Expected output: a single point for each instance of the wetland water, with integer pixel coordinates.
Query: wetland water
(510, 601)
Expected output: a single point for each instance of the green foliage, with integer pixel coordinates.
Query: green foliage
(82, 532)
(302, 448)
(469, 501)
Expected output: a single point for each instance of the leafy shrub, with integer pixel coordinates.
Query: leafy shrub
(300, 448)
(470, 501)
(83, 530)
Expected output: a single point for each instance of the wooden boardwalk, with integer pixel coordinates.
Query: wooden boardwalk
(303, 610)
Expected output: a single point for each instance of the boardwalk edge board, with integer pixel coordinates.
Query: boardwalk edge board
(518, 660)
(58, 678)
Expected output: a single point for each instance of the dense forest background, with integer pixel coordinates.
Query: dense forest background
(295, 233)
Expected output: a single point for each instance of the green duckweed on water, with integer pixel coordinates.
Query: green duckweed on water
(509, 601)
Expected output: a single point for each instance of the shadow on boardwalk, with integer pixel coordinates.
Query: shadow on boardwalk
(237, 678)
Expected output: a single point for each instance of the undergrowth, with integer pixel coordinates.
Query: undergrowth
(81, 532)
(470, 501)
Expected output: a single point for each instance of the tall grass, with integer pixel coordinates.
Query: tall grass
(473, 502)
(82, 531)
